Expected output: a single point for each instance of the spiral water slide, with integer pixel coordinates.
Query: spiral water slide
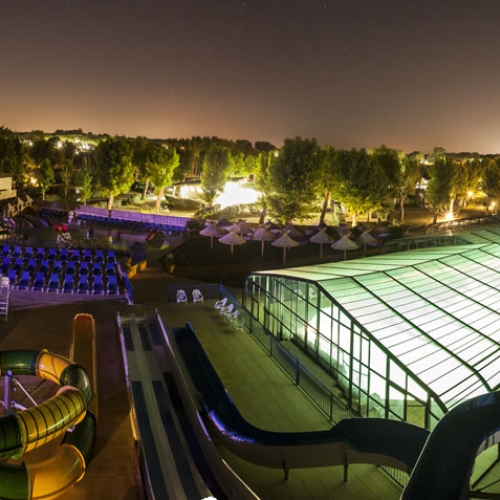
(63, 414)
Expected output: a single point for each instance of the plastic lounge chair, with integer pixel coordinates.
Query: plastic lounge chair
(16, 252)
(70, 268)
(112, 285)
(68, 284)
(57, 267)
(232, 316)
(40, 253)
(31, 265)
(111, 256)
(227, 310)
(52, 254)
(18, 264)
(5, 250)
(75, 256)
(99, 256)
(221, 303)
(87, 255)
(12, 275)
(181, 296)
(63, 254)
(97, 269)
(38, 282)
(28, 253)
(24, 281)
(53, 285)
(197, 295)
(110, 269)
(97, 285)
(84, 269)
(44, 266)
(83, 284)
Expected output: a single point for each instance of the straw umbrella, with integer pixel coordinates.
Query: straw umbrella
(232, 238)
(345, 244)
(367, 239)
(284, 241)
(241, 227)
(263, 234)
(210, 230)
(292, 231)
(321, 238)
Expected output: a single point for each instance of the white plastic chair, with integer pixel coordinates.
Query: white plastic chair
(197, 295)
(227, 310)
(221, 303)
(181, 296)
(232, 316)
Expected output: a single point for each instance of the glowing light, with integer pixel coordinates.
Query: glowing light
(449, 216)
(235, 194)
(187, 191)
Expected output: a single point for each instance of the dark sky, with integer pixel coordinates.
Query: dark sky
(411, 74)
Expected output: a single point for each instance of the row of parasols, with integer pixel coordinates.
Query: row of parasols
(234, 237)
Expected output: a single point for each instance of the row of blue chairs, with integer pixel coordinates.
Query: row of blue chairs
(68, 283)
(46, 266)
(63, 254)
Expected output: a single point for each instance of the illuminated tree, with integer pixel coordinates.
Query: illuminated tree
(160, 164)
(440, 185)
(11, 154)
(115, 168)
(358, 184)
(45, 176)
(490, 181)
(411, 173)
(85, 182)
(293, 178)
(326, 177)
(66, 159)
(215, 173)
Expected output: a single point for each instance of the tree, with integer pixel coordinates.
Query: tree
(115, 168)
(326, 177)
(85, 181)
(45, 176)
(215, 172)
(11, 154)
(159, 166)
(66, 159)
(490, 181)
(357, 185)
(293, 174)
(411, 173)
(440, 185)
(262, 179)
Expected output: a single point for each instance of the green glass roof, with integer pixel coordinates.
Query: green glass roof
(435, 309)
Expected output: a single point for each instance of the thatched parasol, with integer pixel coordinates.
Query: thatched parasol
(321, 238)
(263, 234)
(284, 241)
(345, 244)
(232, 239)
(210, 230)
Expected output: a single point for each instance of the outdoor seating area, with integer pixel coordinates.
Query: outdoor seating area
(55, 270)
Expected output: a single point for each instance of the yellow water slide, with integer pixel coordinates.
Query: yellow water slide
(63, 414)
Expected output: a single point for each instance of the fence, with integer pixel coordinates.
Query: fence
(165, 220)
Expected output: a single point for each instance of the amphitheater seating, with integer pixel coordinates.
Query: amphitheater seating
(65, 272)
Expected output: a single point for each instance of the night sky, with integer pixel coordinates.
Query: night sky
(411, 74)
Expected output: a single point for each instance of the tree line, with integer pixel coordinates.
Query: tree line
(295, 180)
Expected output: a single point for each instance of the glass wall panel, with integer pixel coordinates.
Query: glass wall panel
(397, 404)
